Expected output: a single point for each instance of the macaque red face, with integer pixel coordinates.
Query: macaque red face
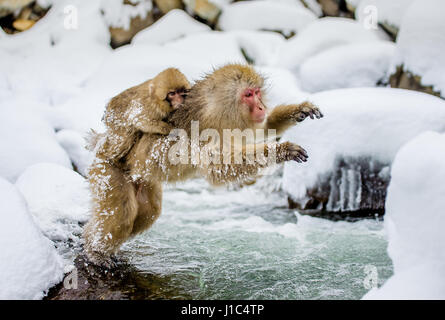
(176, 98)
(251, 97)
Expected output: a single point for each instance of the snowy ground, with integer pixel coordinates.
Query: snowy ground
(56, 80)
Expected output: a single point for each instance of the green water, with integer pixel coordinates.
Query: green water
(245, 244)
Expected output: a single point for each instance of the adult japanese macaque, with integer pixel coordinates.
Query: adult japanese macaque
(229, 100)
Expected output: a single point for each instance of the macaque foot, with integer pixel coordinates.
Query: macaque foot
(165, 129)
(307, 109)
(290, 151)
(102, 260)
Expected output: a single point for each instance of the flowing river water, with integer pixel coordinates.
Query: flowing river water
(244, 243)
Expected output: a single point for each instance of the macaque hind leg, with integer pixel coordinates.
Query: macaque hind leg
(149, 198)
(114, 212)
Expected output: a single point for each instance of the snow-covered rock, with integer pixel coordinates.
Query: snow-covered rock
(282, 87)
(45, 61)
(415, 221)
(26, 138)
(173, 25)
(321, 35)
(261, 47)
(74, 145)
(265, 15)
(421, 43)
(348, 66)
(29, 264)
(118, 13)
(57, 197)
(352, 147)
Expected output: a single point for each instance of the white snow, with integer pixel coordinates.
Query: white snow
(29, 264)
(260, 46)
(415, 221)
(321, 35)
(45, 63)
(347, 66)
(57, 197)
(175, 24)
(74, 144)
(265, 15)
(26, 138)
(421, 42)
(282, 87)
(372, 122)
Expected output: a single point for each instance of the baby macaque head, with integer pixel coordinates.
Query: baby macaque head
(176, 97)
(171, 86)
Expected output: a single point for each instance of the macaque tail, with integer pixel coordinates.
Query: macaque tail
(92, 139)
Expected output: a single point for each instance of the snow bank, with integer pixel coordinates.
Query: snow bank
(74, 145)
(321, 35)
(175, 24)
(45, 61)
(367, 123)
(415, 221)
(26, 138)
(265, 15)
(57, 197)
(260, 46)
(421, 42)
(388, 12)
(29, 262)
(282, 86)
(353, 65)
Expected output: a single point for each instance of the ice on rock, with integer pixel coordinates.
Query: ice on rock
(415, 221)
(175, 24)
(57, 197)
(321, 35)
(29, 264)
(351, 148)
(265, 15)
(26, 138)
(348, 66)
(421, 43)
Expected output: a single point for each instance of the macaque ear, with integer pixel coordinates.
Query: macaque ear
(161, 92)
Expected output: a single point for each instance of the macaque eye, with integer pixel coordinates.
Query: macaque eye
(171, 94)
(248, 93)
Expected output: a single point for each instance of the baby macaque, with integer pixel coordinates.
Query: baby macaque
(137, 110)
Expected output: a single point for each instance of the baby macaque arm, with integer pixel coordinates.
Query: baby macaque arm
(153, 126)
